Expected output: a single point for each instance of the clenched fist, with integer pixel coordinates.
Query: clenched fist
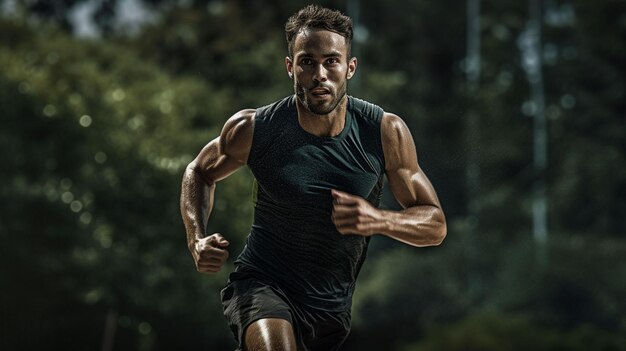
(354, 215)
(210, 253)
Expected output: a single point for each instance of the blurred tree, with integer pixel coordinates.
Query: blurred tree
(409, 66)
(583, 160)
(586, 110)
(52, 11)
(90, 222)
(402, 292)
(578, 290)
(238, 47)
(489, 332)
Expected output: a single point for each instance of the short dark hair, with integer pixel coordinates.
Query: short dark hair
(314, 16)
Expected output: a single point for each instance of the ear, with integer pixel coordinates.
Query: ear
(289, 65)
(351, 67)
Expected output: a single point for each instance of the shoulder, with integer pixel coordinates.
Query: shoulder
(398, 144)
(236, 135)
(392, 127)
(239, 124)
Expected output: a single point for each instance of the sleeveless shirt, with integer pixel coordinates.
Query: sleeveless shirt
(293, 241)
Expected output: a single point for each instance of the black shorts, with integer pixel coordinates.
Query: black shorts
(248, 298)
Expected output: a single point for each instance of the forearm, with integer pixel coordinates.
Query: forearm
(196, 202)
(418, 225)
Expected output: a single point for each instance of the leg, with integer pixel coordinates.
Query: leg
(270, 334)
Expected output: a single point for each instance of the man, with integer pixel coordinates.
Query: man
(318, 158)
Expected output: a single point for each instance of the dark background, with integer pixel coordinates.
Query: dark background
(104, 102)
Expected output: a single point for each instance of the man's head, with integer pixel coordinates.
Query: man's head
(319, 57)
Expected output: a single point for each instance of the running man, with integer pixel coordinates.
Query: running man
(318, 158)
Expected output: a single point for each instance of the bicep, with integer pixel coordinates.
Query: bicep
(407, 181)
(228, 152)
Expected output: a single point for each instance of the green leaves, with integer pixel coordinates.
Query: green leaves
(96, 148)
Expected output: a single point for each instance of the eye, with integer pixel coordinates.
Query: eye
(332, 61)
(306, 61)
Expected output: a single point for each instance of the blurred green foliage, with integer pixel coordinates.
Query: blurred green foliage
(96, 132)
(509, 333)
(402, 296)
(95, 140)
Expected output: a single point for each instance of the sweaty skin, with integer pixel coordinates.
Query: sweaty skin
(217, 160)
(270, 334)
(422, 222)
(320, 68)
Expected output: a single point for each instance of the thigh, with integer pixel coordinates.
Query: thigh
(270, 334)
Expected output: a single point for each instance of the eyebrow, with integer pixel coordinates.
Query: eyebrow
(330, 54)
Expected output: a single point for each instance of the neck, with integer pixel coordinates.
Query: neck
(328, 125)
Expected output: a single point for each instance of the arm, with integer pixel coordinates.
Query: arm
(421, 222)
(217, 160)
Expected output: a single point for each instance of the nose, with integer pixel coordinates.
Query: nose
(320, 73)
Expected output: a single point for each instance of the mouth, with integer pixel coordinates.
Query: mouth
(320, 92)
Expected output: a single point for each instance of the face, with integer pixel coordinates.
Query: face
(320, 69)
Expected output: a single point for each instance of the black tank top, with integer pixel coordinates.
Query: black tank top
(293, 241)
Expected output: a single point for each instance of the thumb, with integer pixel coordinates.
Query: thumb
(218, 240)
(336, 193)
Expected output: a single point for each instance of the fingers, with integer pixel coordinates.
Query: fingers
(363, 227)
(346, 209)
(218, 240)
(340, 211)
(350, 220)
(211, 260)
(344, 198)
(350, 208)
(353, 215)
(337, 193)
(210, 254)
(211, 267)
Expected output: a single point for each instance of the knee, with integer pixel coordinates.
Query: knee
(270, 334)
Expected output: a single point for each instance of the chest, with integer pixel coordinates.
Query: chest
(296, 171)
